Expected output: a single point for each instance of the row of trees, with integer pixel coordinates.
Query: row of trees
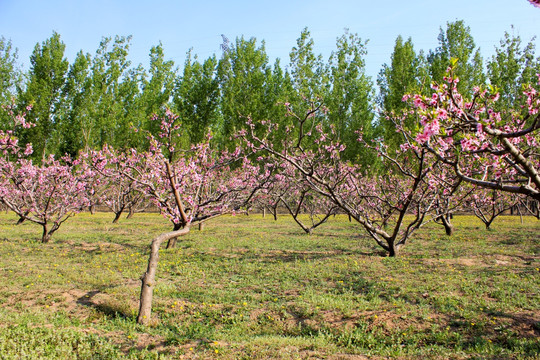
(97, 98)
(242, 133)
(461, 151)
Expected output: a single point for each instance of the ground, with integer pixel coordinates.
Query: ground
(248, 287)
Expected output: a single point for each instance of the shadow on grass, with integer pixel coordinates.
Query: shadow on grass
(282, 256)
(104, 307)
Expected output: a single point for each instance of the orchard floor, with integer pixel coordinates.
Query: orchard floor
(248, 287)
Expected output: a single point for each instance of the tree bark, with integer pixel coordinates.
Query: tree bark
(46, 237)
(171, 243)
(116, 217)
(148, 280)
(448, 227)
(393, 249)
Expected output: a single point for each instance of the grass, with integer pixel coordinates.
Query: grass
(253, 288)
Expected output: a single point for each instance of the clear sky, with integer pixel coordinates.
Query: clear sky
(181, 25)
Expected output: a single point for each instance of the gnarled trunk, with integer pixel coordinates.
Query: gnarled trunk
(47, 233)
(171, 243)
(448, 227)
(117, 216)
(45, 237)
(148, 280)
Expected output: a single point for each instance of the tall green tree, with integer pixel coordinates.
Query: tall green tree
(244, 75)
(350, 97)
(157, 88)
(407, 73)
(197, 96)
(512, 66)
(129, 110)
(75, 124)
(109, 67)
(10, 75)
(308, 71)
(46, 80)
(456, 42)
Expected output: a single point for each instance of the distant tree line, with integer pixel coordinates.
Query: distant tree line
(100, 97)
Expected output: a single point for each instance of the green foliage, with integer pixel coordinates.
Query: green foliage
(196, 98)
(43, 92)
(111, 96)
(350, 96)
(308, 72)
(248, 86)
(10, 78)
(75, 123)
(10, 74)
(511, 67)
(99, 99)
(157, 92)
(407, 73)
(457, 43)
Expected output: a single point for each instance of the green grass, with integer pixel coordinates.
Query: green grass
(253, 288)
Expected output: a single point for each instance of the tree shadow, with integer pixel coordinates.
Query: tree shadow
(109, 309)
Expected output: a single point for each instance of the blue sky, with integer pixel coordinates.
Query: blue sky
(181, 25)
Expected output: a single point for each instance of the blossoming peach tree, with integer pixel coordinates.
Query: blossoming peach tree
(111, 186)
(487, 148)
(297, 196)
(46, 194)
(378, 203)
(188, 187)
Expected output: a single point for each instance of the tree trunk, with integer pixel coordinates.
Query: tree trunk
(448, 227)
(148, 281)
(393, 248)
(201, 226)
(264, 212)
(46, 237)
(171, 244)
(117, 216)
(92, 209)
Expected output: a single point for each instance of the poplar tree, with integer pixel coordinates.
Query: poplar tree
(350, 97)
(157, 90)
(10, 75)
(75, 124)
(244, 75)
(407, 73)
(456, 42)
(308, 71)
(196, 98)
(46, 80)
(109, 67)
(510, 68)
